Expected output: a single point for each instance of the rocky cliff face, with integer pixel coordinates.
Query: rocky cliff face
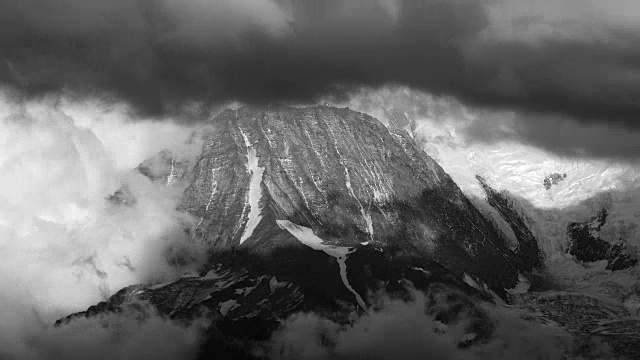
(527, 247)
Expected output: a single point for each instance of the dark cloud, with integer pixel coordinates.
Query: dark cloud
(558, 134)
(135, 333)
(445, 123)
(164, 55)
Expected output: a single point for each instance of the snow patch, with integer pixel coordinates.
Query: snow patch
(470, 281)
(227, 306)
(421, 270)
(474, 283)
(255, 191)
(306, 236)
(522, 286)
(342, 263)
(275, 284)
(172, 174)
(379, 196)
(407, 128)
(211, 275)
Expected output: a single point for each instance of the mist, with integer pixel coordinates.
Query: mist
(65, 246)
(403, 329)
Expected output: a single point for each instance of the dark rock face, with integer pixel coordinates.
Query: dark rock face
(553, 179)
(527, 243)
(586, 246)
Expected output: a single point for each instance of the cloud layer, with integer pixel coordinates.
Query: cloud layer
(445, 122)
(64, 245)
(578, 59)
(399, 329)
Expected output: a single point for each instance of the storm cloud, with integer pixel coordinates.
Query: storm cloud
(575, 59)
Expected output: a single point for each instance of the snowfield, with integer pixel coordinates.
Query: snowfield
(520, 169)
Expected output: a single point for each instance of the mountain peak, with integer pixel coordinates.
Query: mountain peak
(346, 178)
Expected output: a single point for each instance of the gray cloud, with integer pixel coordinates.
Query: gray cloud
(445, 121)
(66, 247)
(558, 134)
(165, 56)
(135, 333)
(399, 329)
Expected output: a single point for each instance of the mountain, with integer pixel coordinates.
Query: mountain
(315, 209)
(318, 209)
(269, 177)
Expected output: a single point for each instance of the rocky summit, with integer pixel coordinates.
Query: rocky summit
(315, 209)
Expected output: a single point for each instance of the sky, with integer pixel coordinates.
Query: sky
(90, 88)
(552, 62)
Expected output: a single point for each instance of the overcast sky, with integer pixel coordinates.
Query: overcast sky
(574, 58)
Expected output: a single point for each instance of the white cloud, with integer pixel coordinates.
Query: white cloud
(64, 246)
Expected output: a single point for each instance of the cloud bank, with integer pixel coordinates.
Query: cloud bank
(399, 329)
(132, 334)
(445, 122)
(573, 58)
(64, 245)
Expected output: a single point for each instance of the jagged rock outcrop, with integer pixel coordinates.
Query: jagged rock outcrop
(553, 179)
(587, 246)
(165, 168)
(528, 248)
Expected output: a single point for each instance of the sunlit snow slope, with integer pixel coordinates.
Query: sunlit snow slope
(581, 188)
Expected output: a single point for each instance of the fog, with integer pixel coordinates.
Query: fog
(64, 245)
